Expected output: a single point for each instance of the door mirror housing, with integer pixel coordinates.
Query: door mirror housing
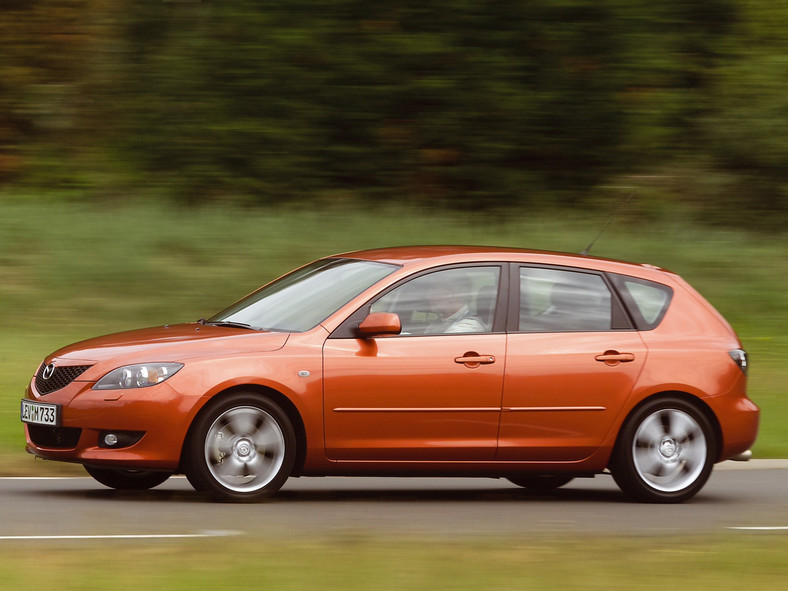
(379, 324)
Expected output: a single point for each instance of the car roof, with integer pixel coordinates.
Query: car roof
(408, 256)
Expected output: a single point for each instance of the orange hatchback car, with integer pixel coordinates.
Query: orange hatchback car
(534, 366)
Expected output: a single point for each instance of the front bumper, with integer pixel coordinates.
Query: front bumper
(159, 413)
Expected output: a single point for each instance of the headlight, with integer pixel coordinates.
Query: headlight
(137, 376)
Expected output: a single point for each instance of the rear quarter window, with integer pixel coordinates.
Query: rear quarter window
(647, 301)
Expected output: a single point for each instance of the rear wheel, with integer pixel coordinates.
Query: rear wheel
(241, 449)
(127, 479)
(540, 481)
(665, 453)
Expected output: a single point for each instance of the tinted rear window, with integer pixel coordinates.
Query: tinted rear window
(554, 300)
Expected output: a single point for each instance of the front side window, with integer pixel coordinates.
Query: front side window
(451, 301)
(554, 300)
(304, 298)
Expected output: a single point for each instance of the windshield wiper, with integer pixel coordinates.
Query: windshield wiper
(230, 324)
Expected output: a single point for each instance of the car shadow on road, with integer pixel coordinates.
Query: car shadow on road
(447, 496)
(356, 495)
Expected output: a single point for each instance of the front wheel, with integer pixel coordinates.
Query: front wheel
(665, 453)
(127, 479)
(241, 449)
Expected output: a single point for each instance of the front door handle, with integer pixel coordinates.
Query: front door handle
(614, 357)
(473, 359)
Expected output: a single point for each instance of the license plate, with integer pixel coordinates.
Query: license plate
(40, 413)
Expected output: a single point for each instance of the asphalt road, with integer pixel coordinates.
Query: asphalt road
(753, 497)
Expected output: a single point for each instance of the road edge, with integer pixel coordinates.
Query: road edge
(753, 465)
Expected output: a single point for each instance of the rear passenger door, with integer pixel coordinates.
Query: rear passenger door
(573, 357)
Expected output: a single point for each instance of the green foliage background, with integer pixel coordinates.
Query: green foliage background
(477, 103)
(159, 159)
(71, 271)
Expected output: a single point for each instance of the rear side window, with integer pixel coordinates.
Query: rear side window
(553, 300)
(647, 301)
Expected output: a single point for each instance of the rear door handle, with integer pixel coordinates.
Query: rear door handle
(473, 359)
(614, 357)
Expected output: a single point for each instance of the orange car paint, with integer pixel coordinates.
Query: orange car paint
(406, 405)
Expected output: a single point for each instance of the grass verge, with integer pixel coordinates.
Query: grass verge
(71, 270)
(734, 562)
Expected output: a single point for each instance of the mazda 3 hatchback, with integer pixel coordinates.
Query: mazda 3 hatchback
(533, 366)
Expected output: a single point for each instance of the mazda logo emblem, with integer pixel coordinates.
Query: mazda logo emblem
(48, 371)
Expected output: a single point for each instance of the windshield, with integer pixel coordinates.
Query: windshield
(304, 298)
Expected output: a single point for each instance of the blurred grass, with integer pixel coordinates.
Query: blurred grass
(730, 562)
(71, 270)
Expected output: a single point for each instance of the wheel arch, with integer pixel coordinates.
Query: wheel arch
(696, 402)
(264, 392)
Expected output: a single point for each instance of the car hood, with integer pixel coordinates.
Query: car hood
(168, 343)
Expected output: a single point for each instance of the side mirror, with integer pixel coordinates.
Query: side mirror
(379, 324)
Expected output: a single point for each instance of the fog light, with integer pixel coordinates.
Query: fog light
(119, 439)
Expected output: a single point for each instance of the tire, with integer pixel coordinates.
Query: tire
(127, 479)
(540, 481)
(665, 452)
(241, 449)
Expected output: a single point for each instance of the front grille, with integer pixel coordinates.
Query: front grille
(60, 378)
(54, 437)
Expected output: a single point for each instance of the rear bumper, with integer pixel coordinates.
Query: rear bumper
(739, 419)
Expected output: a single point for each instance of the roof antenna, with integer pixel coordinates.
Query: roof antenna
(610, 220)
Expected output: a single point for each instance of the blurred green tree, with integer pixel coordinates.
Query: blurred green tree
(42, 46)
(477, 103)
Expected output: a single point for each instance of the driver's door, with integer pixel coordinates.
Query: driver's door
(423, 395)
